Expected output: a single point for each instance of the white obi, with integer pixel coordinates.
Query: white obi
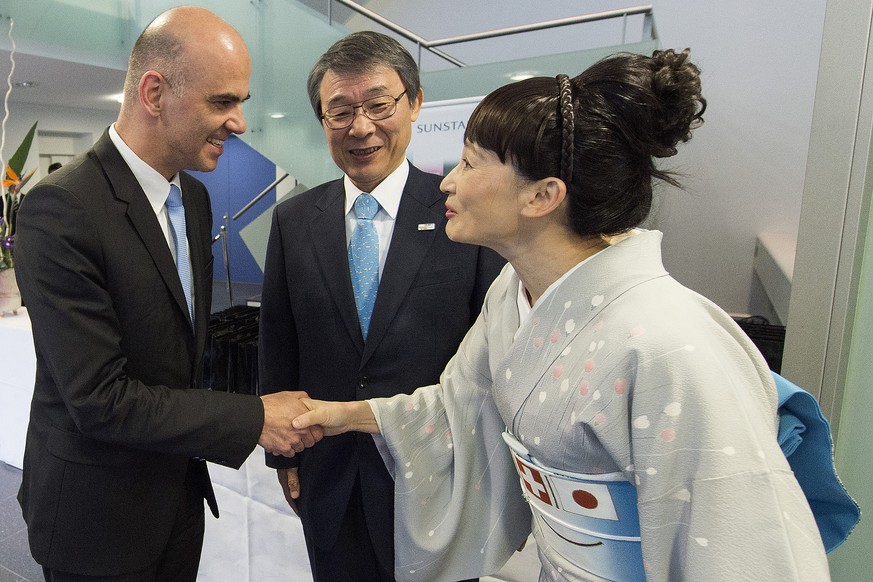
(591, 520)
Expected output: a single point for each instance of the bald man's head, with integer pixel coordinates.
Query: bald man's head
(187, 80)
(175, 44)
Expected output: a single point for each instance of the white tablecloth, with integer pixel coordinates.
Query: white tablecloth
(17, 371)
(258, 537)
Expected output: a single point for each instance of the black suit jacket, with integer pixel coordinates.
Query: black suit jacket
(429, 294)
(116, 418)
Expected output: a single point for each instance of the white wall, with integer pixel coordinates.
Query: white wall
(746, 165)
(52, 119)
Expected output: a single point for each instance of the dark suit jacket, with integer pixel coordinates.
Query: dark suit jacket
(116, 417)
(430, 293)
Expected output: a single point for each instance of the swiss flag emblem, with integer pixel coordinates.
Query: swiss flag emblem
(533, 481)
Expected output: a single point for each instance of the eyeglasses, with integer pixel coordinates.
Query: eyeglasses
(375, 109)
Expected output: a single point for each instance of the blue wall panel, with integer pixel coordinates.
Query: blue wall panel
(242, 173)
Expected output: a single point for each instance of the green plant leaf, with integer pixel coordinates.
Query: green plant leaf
(19, 158)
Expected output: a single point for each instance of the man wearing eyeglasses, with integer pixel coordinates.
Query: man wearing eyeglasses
(317, 329)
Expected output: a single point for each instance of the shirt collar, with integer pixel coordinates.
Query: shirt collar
(155, 186)
(387, 193)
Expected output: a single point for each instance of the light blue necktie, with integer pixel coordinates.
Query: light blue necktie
(364, 259)
(176, 212)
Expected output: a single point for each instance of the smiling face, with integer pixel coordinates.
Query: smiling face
(208, 111)
(368, 151)
(484, 200)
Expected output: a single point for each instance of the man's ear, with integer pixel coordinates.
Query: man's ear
(151, 89)
(415, 106)
(546, 196)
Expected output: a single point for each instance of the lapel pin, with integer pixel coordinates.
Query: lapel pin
(426, 226)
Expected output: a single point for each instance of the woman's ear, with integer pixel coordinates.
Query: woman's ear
(546, 196)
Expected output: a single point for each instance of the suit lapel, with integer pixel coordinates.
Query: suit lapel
(200, 250)
(328, 233)
(141, 215)
(420, 203)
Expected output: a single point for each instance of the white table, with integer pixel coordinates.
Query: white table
(17, 372)
(773, 266)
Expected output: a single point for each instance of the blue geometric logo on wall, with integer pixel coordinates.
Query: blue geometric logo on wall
(243, 173)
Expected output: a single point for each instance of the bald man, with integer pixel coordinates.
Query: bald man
(119, 294)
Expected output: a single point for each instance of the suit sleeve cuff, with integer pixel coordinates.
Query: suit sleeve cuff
(280, 462)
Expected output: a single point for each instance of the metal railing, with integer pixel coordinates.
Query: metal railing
(649, 31)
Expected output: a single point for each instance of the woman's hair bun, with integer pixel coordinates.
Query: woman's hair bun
(676, 85)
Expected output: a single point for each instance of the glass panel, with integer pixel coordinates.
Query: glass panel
(95, 32)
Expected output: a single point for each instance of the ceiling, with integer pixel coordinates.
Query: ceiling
(61, 83)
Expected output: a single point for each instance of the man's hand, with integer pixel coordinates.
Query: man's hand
(289, 479)
(278, 436)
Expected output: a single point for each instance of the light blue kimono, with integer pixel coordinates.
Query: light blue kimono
(618, 370)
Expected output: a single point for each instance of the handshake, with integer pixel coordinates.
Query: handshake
(293, 421)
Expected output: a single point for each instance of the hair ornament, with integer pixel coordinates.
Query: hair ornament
(568, 124)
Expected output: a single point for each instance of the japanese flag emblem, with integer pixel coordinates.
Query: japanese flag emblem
(584, 498)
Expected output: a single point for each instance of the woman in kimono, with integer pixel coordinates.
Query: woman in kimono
(631, 414)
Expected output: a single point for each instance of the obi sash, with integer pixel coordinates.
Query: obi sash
(591, 520)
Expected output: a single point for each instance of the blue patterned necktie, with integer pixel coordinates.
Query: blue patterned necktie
(176, 213)
(364, 259)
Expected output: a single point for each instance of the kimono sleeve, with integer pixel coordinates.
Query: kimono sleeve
(458, 508)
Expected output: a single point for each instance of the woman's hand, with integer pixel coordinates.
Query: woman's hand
(337, 417)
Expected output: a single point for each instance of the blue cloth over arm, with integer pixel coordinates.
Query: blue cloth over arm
(805, 438)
